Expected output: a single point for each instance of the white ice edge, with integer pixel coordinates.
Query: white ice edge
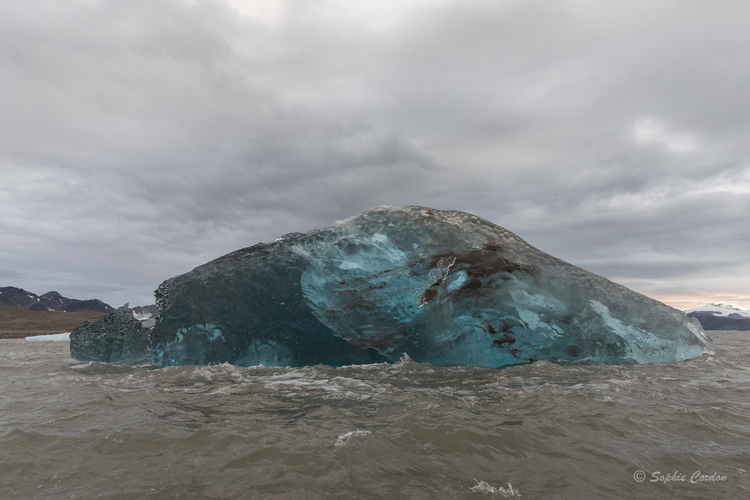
(55, 337)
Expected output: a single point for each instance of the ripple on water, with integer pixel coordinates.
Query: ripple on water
(406, 429)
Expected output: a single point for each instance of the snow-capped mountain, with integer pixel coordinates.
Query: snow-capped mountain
(50, 301)
(721, 317)
(724, 310)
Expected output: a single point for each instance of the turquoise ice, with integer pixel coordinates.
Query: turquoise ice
(443, 286)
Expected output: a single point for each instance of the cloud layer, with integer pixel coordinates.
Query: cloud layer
(139, 139)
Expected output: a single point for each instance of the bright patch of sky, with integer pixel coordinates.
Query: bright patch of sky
(649, 131)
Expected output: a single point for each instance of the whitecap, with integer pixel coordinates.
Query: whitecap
(486, 488)
(344, 438)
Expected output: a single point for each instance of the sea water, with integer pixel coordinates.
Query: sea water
(403, 430)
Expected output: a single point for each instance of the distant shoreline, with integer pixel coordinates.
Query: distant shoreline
(22, 334)
(18, 323)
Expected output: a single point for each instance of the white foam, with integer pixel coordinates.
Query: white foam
(55, 337)
(486, 488)
(344, 438)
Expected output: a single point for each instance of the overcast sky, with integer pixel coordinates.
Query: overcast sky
(141, 138)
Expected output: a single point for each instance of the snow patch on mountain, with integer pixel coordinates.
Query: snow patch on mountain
(723, 310)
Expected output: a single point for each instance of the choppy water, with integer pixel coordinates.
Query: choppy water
(379, 431)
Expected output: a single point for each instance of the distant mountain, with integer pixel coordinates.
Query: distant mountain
(145, 312)
(721, 317)
(50, 301)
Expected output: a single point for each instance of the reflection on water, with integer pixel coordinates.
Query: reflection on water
(405, 430)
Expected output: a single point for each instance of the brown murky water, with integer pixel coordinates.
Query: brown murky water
(407, 430)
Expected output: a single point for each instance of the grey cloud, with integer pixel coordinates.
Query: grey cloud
(140, 139)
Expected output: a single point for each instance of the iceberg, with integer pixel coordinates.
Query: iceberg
(442, 286)
(115, 338)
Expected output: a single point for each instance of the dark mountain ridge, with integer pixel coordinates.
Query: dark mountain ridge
(712, 321)
(144, 310)
(50, 301)
(721, 317)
